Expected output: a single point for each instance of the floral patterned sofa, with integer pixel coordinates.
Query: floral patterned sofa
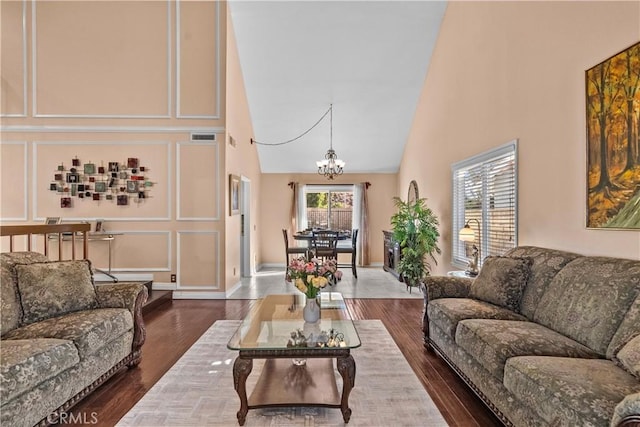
(544, 337)
(61, 336)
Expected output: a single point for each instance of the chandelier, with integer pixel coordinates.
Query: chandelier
(331, 165)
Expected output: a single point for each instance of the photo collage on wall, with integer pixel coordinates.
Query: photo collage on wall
(122, 183)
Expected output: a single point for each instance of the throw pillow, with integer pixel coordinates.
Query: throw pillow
(502, 281)
(629, 356)
(51, 289)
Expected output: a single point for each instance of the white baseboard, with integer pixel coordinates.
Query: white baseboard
(271, 265)
(233, 289)
(198, 295)
(163, 286)
(124, 277)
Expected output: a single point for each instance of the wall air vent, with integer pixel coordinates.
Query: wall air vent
(203, 136)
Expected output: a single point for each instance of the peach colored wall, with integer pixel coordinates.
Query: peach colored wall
(506, 70)
(241, 160)
(276, 197)
(109, 80)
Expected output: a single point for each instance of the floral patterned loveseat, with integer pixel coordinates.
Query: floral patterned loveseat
(544, 337)
(61, 336)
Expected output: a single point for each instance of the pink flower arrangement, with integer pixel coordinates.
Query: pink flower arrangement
(309, 276)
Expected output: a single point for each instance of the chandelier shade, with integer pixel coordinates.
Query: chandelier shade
(331, 166)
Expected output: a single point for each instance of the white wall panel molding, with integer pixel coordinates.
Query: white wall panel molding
(36, 187)
(179, 115)
(24, 64)
(34, 70)
(217, 189)
(216, 263)
(166, 234)
(111, 129)
(25, 176)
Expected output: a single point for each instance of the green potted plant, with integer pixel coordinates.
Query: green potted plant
(415, 228)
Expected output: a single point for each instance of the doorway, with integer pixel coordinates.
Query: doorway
(245, 228)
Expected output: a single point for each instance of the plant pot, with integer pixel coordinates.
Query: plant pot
(311, 311)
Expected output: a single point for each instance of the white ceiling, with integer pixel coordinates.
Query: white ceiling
(367, 58)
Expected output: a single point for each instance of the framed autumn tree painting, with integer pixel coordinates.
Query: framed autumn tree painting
(613, 142)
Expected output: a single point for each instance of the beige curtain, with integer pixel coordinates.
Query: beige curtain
(364, 258)
(293, 221)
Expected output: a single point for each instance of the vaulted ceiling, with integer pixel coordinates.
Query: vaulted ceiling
(367, 58)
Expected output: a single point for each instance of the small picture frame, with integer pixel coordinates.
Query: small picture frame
(73, 177)
(123, 200)
(142, 195)
(81, 187)
(98, 228)
(132, 162)
(96, 196)
(101, 186)
(132, 186)
(75, 162)
(113, 167)
(101, 169)
(52, 220)
(234, 194)
(53, 186)
(57, 177)
(65, 202)
(108, 196)
(89, 168)
(74, 189)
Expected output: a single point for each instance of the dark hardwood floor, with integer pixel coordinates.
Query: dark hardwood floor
(172, 328)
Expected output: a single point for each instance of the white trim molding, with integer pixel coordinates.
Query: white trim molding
(216, 116)
(213, 286)
(110, 129)
(24, 64)
(179, 216)
(167, 234)
(25, 167)
(34, 94)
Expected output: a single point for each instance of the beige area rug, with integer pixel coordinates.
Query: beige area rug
(198, 389)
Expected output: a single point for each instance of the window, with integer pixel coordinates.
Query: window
(329, 207)
(485, 189)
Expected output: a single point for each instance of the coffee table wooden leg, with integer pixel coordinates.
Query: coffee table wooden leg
(241, 369)
(347, 369)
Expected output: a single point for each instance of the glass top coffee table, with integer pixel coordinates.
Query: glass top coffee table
(299, 367)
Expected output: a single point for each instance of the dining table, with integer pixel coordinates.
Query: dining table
(307, 235)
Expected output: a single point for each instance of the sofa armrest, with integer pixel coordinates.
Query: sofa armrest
(131, 296)
(446, 287)
(627, 412)
(434, 287)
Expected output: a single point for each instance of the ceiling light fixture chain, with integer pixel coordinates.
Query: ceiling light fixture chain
(253, 141)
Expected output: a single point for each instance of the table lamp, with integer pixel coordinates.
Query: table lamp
(467, 234)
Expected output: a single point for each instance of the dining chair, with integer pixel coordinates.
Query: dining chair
(324, 243)
(350, 250)
(291, 250)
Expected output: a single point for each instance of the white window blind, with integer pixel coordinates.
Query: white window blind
(485, 189)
